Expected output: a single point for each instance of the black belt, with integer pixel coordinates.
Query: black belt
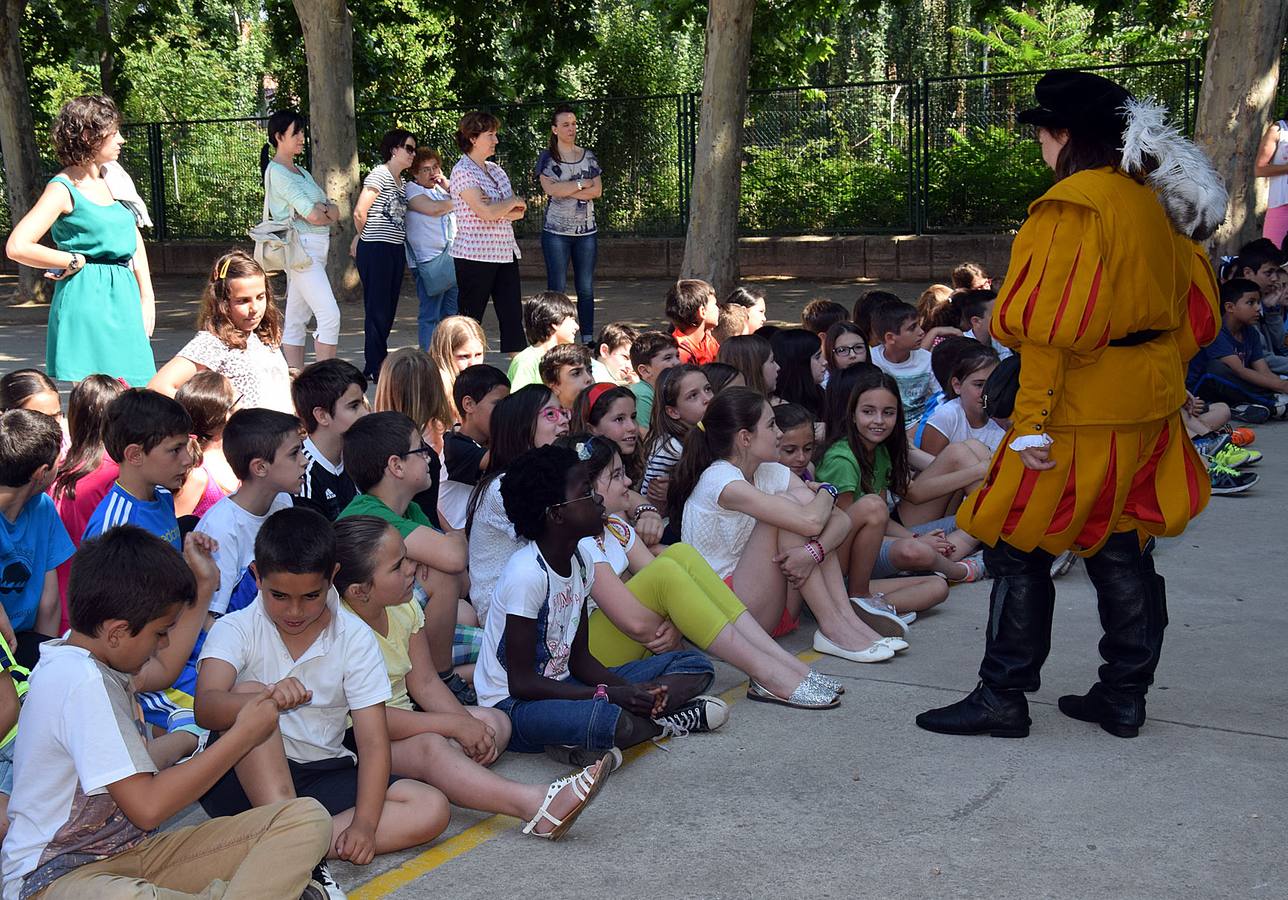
(1137, 338)
(108, 261)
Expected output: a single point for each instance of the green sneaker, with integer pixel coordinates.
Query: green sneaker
(1236, 457)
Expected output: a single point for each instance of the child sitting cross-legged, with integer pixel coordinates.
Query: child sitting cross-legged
(433, 738)
(676, 593)
(388, 458)
(536, 665)
(321, 666)
(88, 792)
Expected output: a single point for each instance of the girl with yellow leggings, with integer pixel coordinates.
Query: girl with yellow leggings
(676, 594)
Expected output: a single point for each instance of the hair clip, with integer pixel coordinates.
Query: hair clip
(122, 382)
(223, 270)
(702, 428)
(584, 450)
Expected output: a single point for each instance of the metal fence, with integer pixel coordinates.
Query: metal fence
(919, 156)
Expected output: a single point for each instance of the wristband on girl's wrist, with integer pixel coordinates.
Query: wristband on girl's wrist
(830, 488)
(644, 508)
(815, 550)
(601, 692)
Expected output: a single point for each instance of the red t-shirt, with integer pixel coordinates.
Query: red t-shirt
(698, 348)
(76, 514)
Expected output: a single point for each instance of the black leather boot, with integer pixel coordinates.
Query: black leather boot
(982, 711)
(1133, 613)
(1017, 643)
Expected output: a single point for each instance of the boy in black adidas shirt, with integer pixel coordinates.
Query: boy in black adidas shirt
(477, 391)
(329, 397)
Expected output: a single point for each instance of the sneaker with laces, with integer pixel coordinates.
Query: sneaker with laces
(1211, 444)
(1251, 413)
(1243, 437)
(323, 885)
(703, 713)
(1061, 565)
(1236, 457)
(1230, 481)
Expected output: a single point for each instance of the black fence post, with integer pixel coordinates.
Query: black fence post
(923, 129)
(682, 176)
(156, 176)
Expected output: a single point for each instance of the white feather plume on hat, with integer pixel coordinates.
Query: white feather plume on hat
(1189, 187)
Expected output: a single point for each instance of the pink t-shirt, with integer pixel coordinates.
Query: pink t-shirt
(476, 239)
(76, 515)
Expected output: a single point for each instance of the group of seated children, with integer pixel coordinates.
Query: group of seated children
(333, 621)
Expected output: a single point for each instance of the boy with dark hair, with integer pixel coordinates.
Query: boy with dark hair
(536, 664)
(1232, 369)
(652, 354)
(899, 354)
(329, 395)
(549, 319)
(33, 541)
(389, 461)
(819, 315)
(1263, 267)
(265, 450)
(691, 306)
(976, 308)
(565, 369)
(321, 664)
(146, 434)
(87, 789)
(477, 391)
(612, 362)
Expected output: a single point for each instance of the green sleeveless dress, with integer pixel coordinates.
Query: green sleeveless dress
(96, 320)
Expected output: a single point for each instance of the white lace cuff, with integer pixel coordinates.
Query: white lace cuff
(1031, 441)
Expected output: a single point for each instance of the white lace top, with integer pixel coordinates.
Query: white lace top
(492, 543)
(717, 533)
(258, 373)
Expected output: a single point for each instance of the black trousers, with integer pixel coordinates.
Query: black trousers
(380, 266)
(477, 281)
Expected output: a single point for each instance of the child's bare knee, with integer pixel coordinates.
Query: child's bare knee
(907, 553)
(870, 508)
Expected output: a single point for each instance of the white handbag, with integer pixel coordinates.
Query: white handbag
(277, 243)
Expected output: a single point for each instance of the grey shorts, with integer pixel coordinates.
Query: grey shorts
(884, 568)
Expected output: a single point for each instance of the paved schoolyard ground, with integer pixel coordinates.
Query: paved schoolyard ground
(858, 802)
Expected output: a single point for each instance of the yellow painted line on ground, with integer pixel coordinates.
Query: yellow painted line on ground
(476, 835)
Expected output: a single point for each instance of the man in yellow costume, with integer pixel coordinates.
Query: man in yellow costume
(1106, 299)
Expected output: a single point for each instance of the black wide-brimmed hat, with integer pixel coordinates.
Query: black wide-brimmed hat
(1078, 101)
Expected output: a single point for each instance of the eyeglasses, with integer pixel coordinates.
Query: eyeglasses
(591, 495)
(853, 350)
(424, 450)
(410, 148)
(555, 414)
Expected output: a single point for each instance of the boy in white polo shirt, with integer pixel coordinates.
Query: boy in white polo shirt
(323, 665)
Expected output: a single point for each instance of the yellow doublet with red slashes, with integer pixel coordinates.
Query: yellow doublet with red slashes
(1098, 260)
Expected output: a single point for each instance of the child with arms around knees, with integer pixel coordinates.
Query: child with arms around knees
(870, 460)
(433, 738)
(530, 417)
(612, 360)
(536, 665)
(465, 449)
(675, 593)
(329, 395)
(652, 353)
(796, 447)
(961, 417)
(239, 335)
(691, 306)
(565, 369)
(769, 535)
(458, 343)
(390, 463)
(1232, 369)
(209, 399)
(684, 393)
(753, 357)
(801, 367)
(33, 541)
(88, 791)
(86, 472)
(549, 319)
(320, 665)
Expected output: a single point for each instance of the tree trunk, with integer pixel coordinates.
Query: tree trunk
(711, 243)
(106, 49)
(333, 136)
(1239, 80)
(18, 139)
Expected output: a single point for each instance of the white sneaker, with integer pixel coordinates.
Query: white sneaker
(322, 878)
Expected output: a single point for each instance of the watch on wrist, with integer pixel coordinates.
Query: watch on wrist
(830, 488)
(579, 184)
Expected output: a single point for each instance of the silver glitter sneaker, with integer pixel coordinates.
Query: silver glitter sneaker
(826, 681)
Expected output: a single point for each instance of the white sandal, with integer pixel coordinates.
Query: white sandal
(584, 785)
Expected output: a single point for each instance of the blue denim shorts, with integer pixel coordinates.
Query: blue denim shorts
(591, 723)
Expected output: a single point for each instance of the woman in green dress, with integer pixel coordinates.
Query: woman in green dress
(103, 312)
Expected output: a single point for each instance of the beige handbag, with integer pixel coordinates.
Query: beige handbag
(277, 244)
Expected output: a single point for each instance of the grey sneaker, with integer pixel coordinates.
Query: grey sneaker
(1061, 565)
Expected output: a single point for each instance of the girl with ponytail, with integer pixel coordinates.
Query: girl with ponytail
(764, 530)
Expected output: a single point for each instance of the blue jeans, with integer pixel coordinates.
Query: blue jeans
(590, 723)
(434, 308)
(582, 249)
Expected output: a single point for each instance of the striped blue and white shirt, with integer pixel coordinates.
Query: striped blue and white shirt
(119, 507)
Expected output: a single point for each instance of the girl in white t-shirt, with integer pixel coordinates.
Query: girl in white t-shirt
(239, 335)
(961, 416)
(672, 594)
(764, 530)
(683, 394)
(432, 737)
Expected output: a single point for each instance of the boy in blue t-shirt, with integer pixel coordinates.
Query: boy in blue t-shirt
(146, 434)
(1232, 369)
(33, 541)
